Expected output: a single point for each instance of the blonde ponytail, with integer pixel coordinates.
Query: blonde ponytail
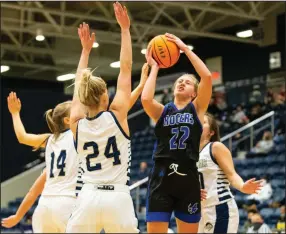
(55, 118)
(90, 88)
(52, 125)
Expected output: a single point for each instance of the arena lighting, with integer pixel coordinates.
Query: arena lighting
(143, 51)
(190, 47)
(95, 45)
(40, 36)
(66, 77)
(245, 34)
(4, 68)
(115, 64)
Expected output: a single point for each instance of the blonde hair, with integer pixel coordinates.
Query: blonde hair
(55, 118)
(91, 88)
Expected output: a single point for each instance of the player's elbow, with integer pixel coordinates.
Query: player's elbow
(146, 97)
(208, 78)
(21, 138)
(146, 101)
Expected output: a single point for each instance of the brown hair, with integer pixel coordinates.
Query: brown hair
(267, 136)
(213, 127)
(55, 118)
(90, 88)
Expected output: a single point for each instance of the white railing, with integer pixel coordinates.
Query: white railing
(227, 137)
(250, 126)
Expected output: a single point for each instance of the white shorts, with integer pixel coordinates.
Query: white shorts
(108, 207)
(52, 214)
(223, 218)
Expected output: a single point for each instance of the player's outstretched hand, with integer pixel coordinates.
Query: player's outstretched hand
(11, 221)
(178, 41)
(86, 39)
(14, 103)
(203, 194)
(252, 186)
(144, 74)
(149, 57)
(121, 15)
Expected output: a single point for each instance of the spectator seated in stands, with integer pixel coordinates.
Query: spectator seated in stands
(263, 146)
(258, 225)
(263, 195)
(221, 103)
(280, 226)
(256, 112)
(248, 223)
(143, 173)
(239, 116)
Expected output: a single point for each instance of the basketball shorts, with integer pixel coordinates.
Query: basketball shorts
(52, 214)
(223, 218)
(108, 207)
(173, 186)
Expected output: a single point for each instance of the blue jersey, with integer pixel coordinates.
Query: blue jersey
(178, 133)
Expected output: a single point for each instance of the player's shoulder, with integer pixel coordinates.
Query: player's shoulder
(218, 146)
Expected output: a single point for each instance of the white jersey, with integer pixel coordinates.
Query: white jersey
(105, 149)
(62, 165)
(212, 179)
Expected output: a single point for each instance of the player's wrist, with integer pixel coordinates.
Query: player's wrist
(86, 51)
(241, 187)
(155, 66)
(125, 30)
(15, 114)
(185, 48)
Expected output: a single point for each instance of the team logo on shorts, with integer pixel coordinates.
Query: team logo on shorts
(175, 168)
(208, 227)
(193, 208)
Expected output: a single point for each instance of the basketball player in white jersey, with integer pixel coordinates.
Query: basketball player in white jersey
(102, 139)
(58, 196)
(36, 141)
(216, 170)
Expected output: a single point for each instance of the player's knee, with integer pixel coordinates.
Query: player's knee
(157, 227)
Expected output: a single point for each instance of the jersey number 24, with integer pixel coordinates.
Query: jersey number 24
(111, 151)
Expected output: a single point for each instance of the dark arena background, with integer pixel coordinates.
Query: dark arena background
(242, 43)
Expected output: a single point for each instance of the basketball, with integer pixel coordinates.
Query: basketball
(166, 53)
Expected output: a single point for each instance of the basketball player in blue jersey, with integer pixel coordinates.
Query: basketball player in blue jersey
(102, 140)
(174, 181)
(216, 170)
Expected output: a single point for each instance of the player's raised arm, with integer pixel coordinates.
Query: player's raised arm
(121, 102)
(138, 90)
(224, 159)
(34, 140)
(87, 40)
(153, 108)
(27, 203)
(205, 86)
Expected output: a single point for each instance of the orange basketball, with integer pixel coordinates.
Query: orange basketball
(166, 53)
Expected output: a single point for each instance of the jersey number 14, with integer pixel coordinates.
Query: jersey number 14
(60, 163)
